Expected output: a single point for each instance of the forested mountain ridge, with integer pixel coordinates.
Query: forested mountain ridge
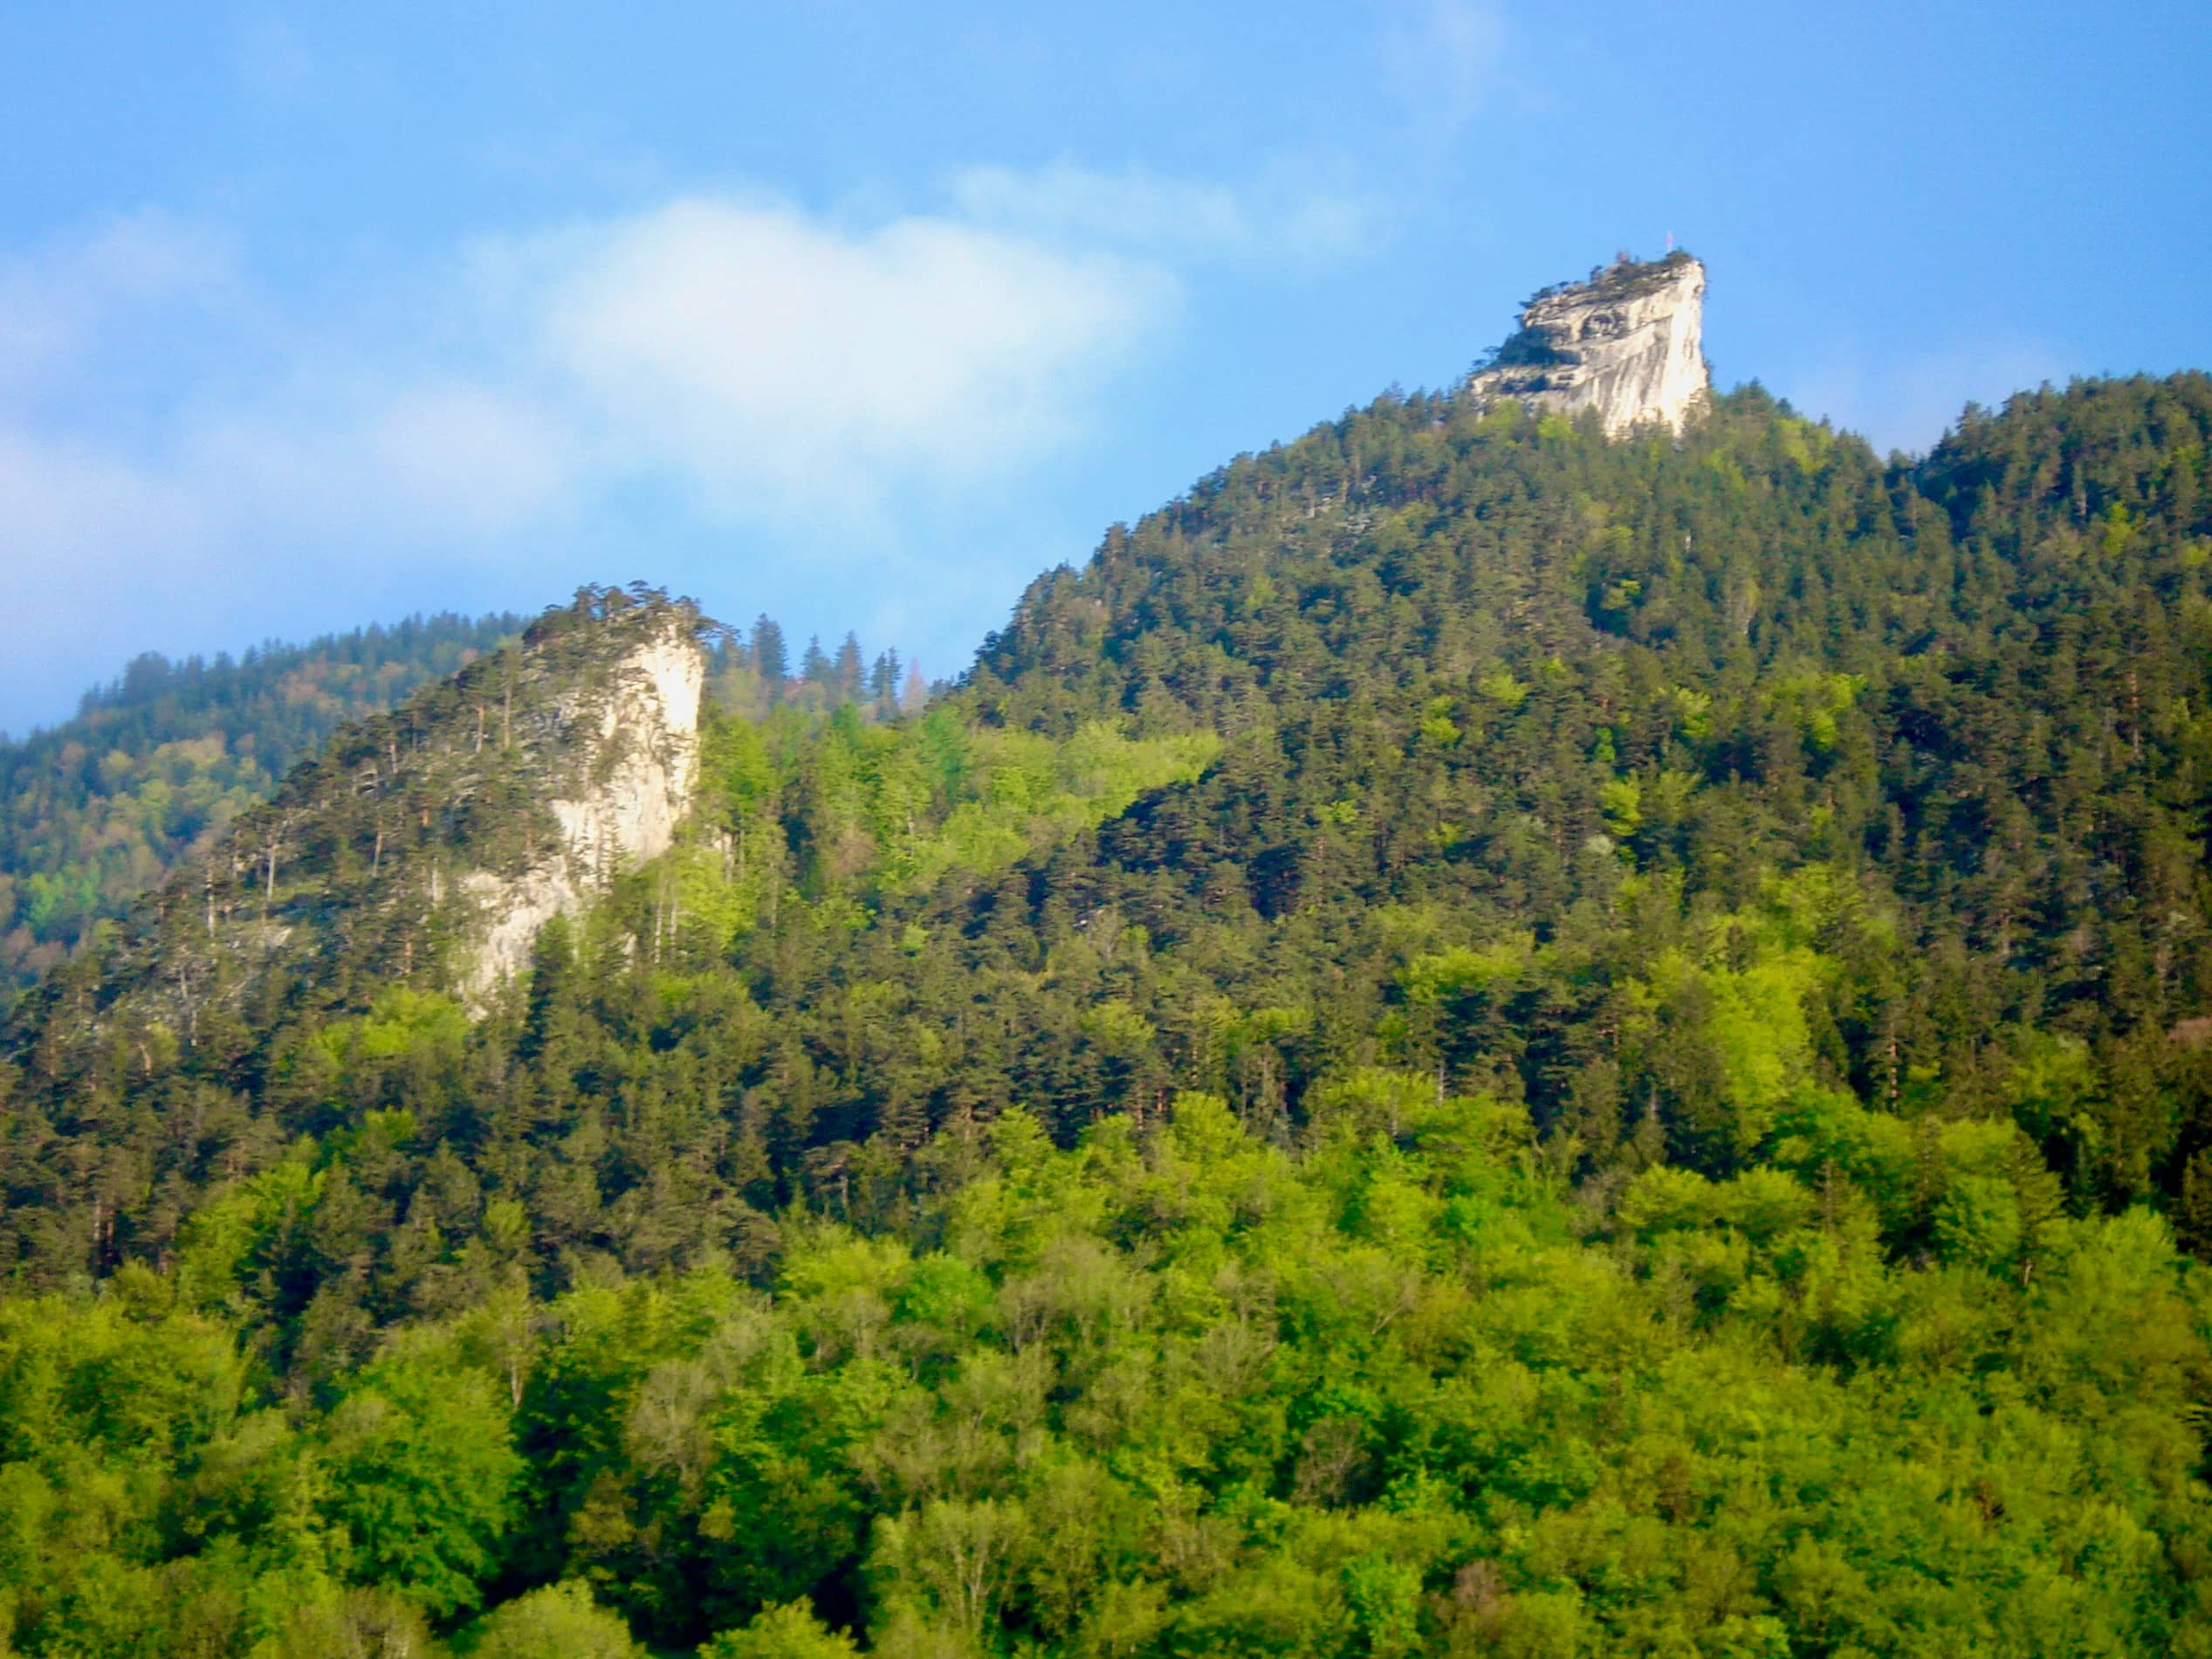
(1974, 689)
(1475, 1039)
(401, 849)
(153, 767)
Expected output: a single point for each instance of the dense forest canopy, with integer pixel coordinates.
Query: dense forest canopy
(1473, 1040)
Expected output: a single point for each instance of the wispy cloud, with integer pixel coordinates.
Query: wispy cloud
(1446, 57)
(764, 364)
(1276, 220)
(781, 363)
(61, 302)
(273, 61)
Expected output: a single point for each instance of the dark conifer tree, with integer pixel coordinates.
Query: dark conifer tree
(883, 683)
(814, 666)
(847, 673)
(771, 660)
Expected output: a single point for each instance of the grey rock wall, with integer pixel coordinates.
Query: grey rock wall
(1628, 343)
(635, 744)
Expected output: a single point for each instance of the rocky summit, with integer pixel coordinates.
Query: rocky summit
(1626, 343)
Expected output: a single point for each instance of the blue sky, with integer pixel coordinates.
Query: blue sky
(863, 315)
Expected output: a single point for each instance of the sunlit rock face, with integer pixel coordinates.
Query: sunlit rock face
(633, 742)
(1628, 343)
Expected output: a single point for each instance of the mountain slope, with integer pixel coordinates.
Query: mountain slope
(1476, 1038)
(152, 768)
(1523, 754)
(1540, 680)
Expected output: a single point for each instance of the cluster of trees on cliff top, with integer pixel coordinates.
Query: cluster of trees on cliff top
(1473, 1040)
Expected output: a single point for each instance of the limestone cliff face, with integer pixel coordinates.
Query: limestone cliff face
(631, 743)
(425, 847)
(1627, 343)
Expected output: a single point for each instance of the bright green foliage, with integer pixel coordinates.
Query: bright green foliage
(420, 1480)
(402, 1020)
(356, 1624)
(560, 1619)
(1398, 1392)
(787, 1632)
(839, 812)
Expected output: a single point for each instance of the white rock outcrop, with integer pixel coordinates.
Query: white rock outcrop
(1628, 343)
(635, 750)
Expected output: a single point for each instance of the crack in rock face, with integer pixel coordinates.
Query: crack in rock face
(639, 753)
(1628, 343)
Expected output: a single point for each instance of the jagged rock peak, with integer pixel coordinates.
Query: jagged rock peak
(1627, 343)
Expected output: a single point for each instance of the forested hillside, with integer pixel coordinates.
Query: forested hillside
(153, 768)
(1473, 1040)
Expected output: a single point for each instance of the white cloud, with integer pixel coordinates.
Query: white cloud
(770, 361)
(63, 500)
(186, 451)
(782, 363)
